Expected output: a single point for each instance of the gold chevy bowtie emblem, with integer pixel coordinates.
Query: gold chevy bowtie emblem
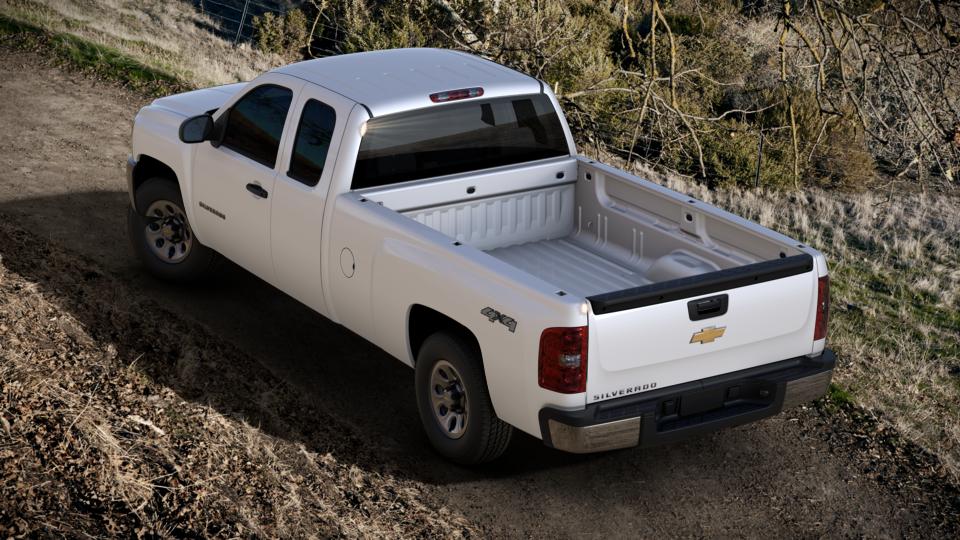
(708, 334)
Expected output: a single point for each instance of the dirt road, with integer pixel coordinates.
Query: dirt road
(802, 473)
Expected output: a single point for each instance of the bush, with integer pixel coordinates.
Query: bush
(285, 34)
(833, 148)
(372, 26)
(731, 158)
(562, 42)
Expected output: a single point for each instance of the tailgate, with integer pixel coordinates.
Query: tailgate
(677, 331)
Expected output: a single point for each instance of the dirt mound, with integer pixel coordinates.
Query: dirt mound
(134, 422)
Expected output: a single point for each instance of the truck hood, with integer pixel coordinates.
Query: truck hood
(198, 101)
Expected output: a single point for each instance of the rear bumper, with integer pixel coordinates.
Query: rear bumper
(686, 410)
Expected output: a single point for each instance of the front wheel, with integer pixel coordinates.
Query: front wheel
(454, 403)
(161, 236)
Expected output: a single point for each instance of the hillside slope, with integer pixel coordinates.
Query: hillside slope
(169, 36)
(831, 467)
(110, 408)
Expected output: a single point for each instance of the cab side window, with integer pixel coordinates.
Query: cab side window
(312, 142)
(256, 123)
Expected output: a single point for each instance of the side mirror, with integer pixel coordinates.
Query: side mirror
(196, 129)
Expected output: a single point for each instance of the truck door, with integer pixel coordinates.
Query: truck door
(233, 182)
(301, 192)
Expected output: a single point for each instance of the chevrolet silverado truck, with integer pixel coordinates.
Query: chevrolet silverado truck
(434, 203)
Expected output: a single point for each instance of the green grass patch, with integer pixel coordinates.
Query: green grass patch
(839, 396)
(85, 55)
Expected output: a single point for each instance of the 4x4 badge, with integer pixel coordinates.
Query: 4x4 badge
(708, 334)
(495, 316)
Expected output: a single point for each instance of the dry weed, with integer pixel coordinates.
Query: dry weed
(102, 439)
(167, 35)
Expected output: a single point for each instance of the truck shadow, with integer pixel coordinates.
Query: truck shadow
(76, 251)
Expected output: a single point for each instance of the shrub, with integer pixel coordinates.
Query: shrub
(562, 42)
(371, 26)
(833, 148)
(283, 34)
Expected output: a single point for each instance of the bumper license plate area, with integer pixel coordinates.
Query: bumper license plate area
(701, 402)
(714, 403)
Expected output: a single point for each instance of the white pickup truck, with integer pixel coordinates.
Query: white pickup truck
(434, 203)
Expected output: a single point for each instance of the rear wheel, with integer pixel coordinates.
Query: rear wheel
(161, 236)
(454, 403)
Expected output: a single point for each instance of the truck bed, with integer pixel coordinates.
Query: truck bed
(570, 267)
(597, 230)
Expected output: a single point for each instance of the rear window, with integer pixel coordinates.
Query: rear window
(457, 138)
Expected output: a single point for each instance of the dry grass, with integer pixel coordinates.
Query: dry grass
(167, 35)
(895, 283)
(118, 420)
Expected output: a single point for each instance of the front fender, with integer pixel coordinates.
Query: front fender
(155, 134)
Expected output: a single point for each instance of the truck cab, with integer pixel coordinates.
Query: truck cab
(433, 202)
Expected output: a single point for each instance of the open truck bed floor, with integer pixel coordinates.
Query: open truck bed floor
(570, 267)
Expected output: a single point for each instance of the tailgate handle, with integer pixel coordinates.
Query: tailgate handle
(706, 308)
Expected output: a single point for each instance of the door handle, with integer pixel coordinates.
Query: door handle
(706, 308)
(257, 190)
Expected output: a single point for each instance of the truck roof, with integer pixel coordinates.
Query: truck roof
(398, 80)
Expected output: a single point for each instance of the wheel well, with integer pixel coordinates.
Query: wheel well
(424, 321)
(147, 168)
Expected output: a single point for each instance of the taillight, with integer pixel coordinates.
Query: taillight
(823, 308)
(563, 360)
(453, 95)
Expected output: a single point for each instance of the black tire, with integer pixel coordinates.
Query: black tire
(194, 263)
(485, 437)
